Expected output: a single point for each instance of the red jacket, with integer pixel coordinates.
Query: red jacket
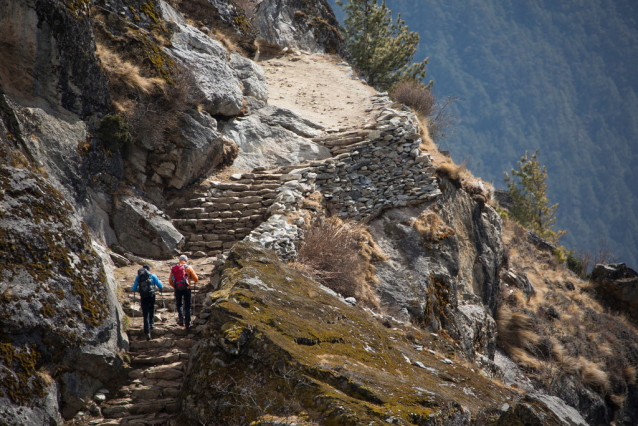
(190, 272)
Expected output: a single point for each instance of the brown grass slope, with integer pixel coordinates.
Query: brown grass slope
(562, 329)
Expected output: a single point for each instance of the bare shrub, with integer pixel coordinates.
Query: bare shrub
(231, 151)
(340, 255)
(415, 95)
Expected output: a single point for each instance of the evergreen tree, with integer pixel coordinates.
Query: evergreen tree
(381, 50)
(530, 205)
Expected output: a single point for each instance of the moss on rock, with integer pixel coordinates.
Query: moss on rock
(307, 348)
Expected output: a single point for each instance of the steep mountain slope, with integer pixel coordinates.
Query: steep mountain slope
(357, 276)
(559, 77)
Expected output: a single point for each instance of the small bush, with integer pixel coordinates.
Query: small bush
(339, 255)
(114, 132)
(416, 95)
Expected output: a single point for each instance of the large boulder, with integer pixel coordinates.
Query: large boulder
(273, 136)
(142, 229)
(208, 61)
(617, 285)
(275, 338)
(199, 150)
(60, 332)
(306, 25)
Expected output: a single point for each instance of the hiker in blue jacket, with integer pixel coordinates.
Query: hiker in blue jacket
(146, 282)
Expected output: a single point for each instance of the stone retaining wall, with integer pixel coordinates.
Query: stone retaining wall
(375, 168)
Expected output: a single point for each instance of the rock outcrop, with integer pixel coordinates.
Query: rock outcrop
(617, 285)
(144, 230)
(309, 26)
(61, 323)
(269, 324)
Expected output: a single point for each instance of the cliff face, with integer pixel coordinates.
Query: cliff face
(144, 127)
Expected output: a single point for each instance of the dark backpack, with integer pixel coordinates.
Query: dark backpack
(180, 278)
(144, 283)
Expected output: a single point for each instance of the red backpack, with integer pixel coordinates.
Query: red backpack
(180, 278)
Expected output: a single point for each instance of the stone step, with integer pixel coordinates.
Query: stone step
(162, 342)
(159, 359)
(154, 419)
(166, 405)
(344, 142)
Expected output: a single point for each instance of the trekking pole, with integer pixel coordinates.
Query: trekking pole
(133, 307)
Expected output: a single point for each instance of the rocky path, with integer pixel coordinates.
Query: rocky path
(149, 394)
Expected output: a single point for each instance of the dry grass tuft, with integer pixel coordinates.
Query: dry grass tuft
(593, 375)
(431, 228)
(451, 171)
(227, 39)
(120, 72)
(629, 375)
(340, 255)
(514, 330)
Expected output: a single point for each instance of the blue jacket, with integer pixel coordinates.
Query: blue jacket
(156, 282)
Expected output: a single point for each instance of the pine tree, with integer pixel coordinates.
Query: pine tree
(530, 205)
(381, 50)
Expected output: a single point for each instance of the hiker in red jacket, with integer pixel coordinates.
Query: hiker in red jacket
(180, 279)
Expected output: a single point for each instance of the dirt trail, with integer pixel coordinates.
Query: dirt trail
(319, 88)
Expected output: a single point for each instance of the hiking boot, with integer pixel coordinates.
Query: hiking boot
(188, 327)
(152, 326)
(180, 321)
(148, 336)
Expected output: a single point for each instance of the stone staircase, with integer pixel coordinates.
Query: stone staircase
(148, 396)
(374, 167)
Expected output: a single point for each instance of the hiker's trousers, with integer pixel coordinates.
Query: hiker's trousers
(148, 312)
(185, 311)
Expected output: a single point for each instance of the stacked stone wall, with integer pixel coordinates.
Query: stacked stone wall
(378, 167)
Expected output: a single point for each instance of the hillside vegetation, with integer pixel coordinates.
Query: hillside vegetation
(559, 77)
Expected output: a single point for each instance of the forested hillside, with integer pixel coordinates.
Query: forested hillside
(555, 76)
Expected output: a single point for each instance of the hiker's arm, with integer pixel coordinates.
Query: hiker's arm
(135, 285)
(192, 275)
(157, 282)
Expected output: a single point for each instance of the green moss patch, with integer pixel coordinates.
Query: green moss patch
(311, 348)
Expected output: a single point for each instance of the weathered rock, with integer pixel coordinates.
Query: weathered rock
(200, 151)
(251, 76)
(617, 285)
(541, 410)
(336, 358)
(48, 52)
(208, 62)
(119, 260)
(309, 26)
(222, 14)
(518, 280)
(142, 230)
(437, 275)
(58, 309)
(273, 136)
